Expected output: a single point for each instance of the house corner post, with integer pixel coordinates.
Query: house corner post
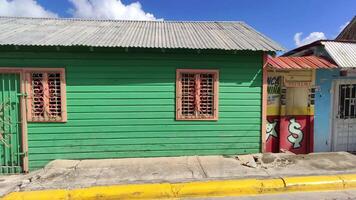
(23, 108)
(264, 103)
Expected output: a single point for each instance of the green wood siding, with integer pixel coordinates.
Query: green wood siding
(10, 128)
(123, 105)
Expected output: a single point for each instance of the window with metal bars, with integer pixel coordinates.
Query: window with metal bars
(347, 101)
(197, 94)
(46, 96)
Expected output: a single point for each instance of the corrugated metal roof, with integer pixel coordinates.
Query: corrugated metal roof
(343, 53)
(144, 34)
(349, 32)
(299, 63)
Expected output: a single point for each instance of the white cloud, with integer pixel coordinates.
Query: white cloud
(343, 26)
(109, 9)
(24, 8)
(314, 36)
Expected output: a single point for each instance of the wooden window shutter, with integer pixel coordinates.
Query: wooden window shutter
(46, 95)
(197, 94)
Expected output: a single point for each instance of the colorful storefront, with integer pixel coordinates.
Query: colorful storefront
(290, 106)
(335, 95)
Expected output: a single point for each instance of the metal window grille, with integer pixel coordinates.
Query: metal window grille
(206, 106)
(197, 94)
(46, 97)
(347, 101)
(188, 94)
(37, 87)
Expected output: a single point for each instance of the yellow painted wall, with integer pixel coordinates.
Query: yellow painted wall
(296, 84)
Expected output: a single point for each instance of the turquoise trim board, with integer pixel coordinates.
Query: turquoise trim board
(322, 115)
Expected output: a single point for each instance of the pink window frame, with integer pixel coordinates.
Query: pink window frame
(179, 115)
(28, 89)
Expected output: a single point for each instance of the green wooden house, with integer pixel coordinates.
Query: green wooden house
(89, 89)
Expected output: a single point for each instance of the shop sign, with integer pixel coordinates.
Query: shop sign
(273, 89)
(297, 83)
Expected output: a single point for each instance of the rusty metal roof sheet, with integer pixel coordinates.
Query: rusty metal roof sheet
(343, 53)
(142, 34)
(299, 63)
(349, 32)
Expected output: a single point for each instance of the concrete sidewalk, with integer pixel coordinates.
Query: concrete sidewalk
(70, 174)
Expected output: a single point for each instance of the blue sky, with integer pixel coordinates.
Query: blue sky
(281, 20)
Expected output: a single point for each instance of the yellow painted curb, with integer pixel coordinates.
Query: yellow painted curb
(34, 195)
(349, 180)
(141, 191)
(313, 183)
(227, 188)
(195, 189)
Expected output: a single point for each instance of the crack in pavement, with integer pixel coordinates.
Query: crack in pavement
(205, 175)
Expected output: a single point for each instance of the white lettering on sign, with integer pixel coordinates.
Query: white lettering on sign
(274, 85)
(296, 135)
(271, 130)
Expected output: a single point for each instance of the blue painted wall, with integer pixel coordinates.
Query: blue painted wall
(323, 109)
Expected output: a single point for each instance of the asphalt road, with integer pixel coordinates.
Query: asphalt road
(329, 195)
